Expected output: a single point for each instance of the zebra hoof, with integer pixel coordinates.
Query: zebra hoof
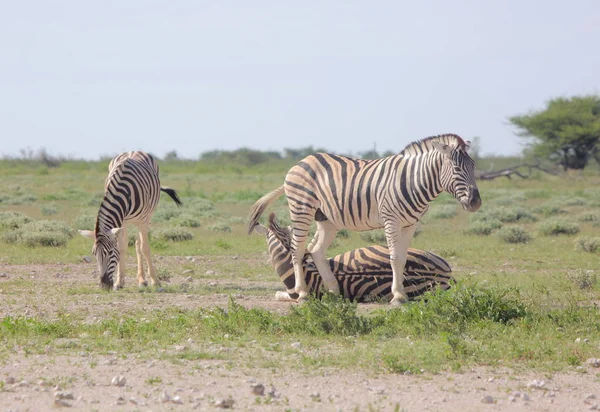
(143, 284)
(117, 287)
(399, 301)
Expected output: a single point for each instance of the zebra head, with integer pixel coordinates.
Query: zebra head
(280, 252)
(107, 254)
(458, 174)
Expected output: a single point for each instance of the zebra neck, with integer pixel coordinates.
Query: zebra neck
(110, 216)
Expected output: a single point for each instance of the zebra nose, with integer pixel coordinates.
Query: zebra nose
(474, 199)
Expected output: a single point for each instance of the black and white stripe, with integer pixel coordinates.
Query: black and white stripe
(363, 274)
(131, 193)
(393, 193)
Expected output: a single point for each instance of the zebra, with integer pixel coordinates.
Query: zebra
(392, 192)
(363, 274)
(131, 193)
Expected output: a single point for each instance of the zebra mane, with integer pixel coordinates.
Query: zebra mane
(424, 145)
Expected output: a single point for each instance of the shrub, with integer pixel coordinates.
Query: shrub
(44, 239)
(484, 228)
(343, 234)
(176, 234)
(50, 226)
(583, 279)
(13, 220)
(188, 221)
(504, 215)
(86, 221)
(220, 227)
(442, 212)
(554, 227)
(374, 236)
(513, 234)
(49, 210)
(549, 209)
(587, 244)
(41, 233)
(589, 217)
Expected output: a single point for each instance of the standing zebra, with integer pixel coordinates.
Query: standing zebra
(363, 274)
(131, 193)
(393, 192)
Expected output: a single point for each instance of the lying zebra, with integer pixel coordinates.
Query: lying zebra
(363, 274)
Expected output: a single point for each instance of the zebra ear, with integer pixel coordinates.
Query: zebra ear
(116, 231)
(88, 233)
(443, 148)
(260, 229)
(467, 145)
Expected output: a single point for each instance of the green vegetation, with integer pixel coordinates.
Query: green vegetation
(519, 301)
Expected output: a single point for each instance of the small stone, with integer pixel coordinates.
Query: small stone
(121, 401)
(594, 407)
(258, 389)
(210, 272)
(164, 397)
(578, 340)
(107, 333)
(517, 394)
(135, 401)
(61, 403)
(10, 380)
(118, 381)
(23, 383)
(315, 396)
(487, 399)
(590, 396)
(536, 384)
(593, 362)
(189, 279)
(526, 397)
(296, 345)
(180, 348)
(87, 259)
(224, 403)
(586, 340)
(187, 272)
(212, 284)
(512, 399)
(63, 395)
(3, 275)
(177, 399)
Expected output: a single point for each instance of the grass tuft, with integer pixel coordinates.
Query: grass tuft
(514, 234)
(554, 227)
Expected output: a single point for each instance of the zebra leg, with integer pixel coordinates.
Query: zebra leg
(313, 242)
(298, 246)
(145, 247)
(325, 234)
(398, 239)
(122, 245)
(140, 262)
(283, 297)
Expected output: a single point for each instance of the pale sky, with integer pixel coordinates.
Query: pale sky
(87, 79)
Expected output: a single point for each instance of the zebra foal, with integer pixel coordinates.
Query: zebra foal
(393, 192)
(131, 193)
(363, 274)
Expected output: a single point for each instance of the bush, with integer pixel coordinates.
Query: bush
(176, 234)
(86, 221)
(188, 221)
(554, 227)
(587, 244)
(220, 227)
(583, 279)
(589, 217)
(374, 236)
(442, 212)
(53, 239)
(484, 228)
(549, 209)
(50, 226)
(343, 234)
(504, 215)
(13, 220)
(49, 210)
(513, 234)
(41, 233)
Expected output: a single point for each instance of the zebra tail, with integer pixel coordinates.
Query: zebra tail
(172, 194)
(259, 207)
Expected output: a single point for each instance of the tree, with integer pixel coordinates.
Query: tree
(566, 132)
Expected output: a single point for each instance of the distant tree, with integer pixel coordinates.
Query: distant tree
(172, 155)
(301, 153)
(475, 150)
(566, 132)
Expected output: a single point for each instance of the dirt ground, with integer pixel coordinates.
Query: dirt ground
(111, 383)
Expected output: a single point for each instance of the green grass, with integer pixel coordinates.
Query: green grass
(516, 304)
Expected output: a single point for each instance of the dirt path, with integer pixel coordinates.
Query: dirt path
(91, 382)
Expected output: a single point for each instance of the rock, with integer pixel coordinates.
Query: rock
(590, 396)
(187, 272)
(578, 340)
(536, 384)
(487, 399)
(315, 396)
(63, 395)
(258, 389)
(526, 397)
(210, 272)
(10, 380)
(3, 275)
(118, 381)
(296, 345)
(164, 397)
(180, 348)
(135, 401)
(177, 399)
(121, 401)
(594, 407)
(273, 392)
(87, 259)
(212, 284)
(61, 403)
(224, 403)
(593, 362)
(189, 279)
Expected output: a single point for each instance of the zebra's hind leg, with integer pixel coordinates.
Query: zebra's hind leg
(145, 248)
(398, 239)
(122, 245)
(298, 247)
(325, 234)
(140, 262)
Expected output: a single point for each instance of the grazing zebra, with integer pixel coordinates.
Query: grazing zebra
(363, 274)
(131, 193)
(392, 192)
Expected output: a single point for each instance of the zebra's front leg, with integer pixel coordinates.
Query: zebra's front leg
(145, 248)
(325, 234)
(298, 246)
(140, 262)
(398, 239)
(122, 245)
